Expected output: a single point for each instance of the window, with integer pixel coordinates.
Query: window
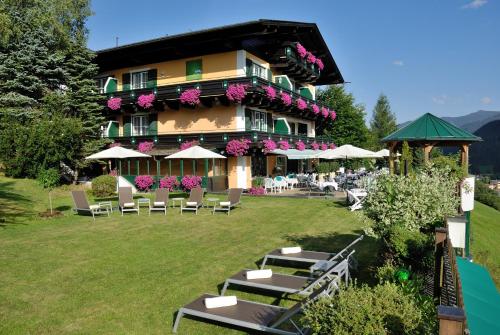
(101, 82)
(138, 80)
(193, 69)
(256, 70)
(292, 127)
(302, 129)
(259, 121)
(139, 125)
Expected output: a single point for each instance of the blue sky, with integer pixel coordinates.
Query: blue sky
(441, 57)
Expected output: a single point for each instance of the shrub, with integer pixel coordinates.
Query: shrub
(410, 247)
(189, 182)
(48, 178)
(258, 182)
(103, 186)
(383, 309)
(169, 183)
(144, 182)
(485, 195)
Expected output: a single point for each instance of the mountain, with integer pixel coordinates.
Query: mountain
(485, 156)
(470, 122)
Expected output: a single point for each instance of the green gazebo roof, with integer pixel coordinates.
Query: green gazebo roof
(431, 128)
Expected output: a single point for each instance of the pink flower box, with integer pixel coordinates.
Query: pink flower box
(315, 109)
(269, 145)
(311, 58)
(301, 50)
(188, 144)
(332, 146)
(324, 146)
(320, 64)
(145, 147)
(115, 144)
(236, 92)
(315, 146)
(325, 112)
(146, 100)
(284, 145)
(301, 104)
(333, 115)
(190, 97)
(238, 147)
(286, 99)
(300, 146)
(114, 103)
(270, 92)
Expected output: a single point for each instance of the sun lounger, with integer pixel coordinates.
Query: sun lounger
(161, 201)
(251, 315)
(311, 257)
(126, 200)
(234, 197)
(195, 200)
(291, 284)
(82, 205)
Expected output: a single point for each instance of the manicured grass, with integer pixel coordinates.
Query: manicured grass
(129, 275)
(485, 239)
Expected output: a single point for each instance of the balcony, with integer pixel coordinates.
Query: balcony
(288, 61)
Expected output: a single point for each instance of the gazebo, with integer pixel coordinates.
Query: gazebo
(428, 132)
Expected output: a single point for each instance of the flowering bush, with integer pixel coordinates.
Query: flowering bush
(236, 92)
(314, 146)
(324, 112)
(332, 146)
(301, 104)
(311, 58)
(146, 100)
(269, 145)
(320, 64)
(323, 146)
(284, 145)
(145, 147)
(115, 144)
(300, 146)
(169, 183)
(301, 50)
(189, 182)
(188, 144)
(190, 97)
(315, 109)
(238, 147)
(115, 103)
(270, 92)
(286, 98)
(259, 190)
(113, 173)
(144, 182)
(333, 115)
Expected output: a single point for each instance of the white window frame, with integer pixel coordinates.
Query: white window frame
(143, 80)
(101, 84)
(143, 127)
(261, 117)
(259, 71)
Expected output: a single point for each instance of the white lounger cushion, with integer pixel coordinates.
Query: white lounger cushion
(225, 203)
(291, 250)
(94, 206)
(258, 274)
(216, 302)
(159, 203)
(191, 203)
(128, 204)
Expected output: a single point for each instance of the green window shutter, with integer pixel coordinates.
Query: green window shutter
(306, 93)
(193, 69)
(248, 119)
(126, 82)
(269, 75)
(113, 130)
(153, 124)
(152, 75)
(269, 122)
(111, 86)
(249, 65)
(127, 125)
(281, 81)
(280, 127)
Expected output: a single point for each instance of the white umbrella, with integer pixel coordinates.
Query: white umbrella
(117, 153)
(347, 151)
(195, 152)
(385, 153)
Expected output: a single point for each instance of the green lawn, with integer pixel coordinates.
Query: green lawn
(129, 275)
(485, 239)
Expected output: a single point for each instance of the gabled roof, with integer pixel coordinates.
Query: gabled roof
(431, 128)
(258, 37)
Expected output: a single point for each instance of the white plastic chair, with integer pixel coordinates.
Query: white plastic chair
(269, 185)
(357, 203)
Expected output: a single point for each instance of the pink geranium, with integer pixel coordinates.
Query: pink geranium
(323, 146)
(270, 92)
(269, 145)
(146, 100)
(115, 144)
(188, 144)
(286, 99)
(301, 50)
(236, 92)
(284, 145)
(324, 112)
(332, 146)
(145, 146)
(314, 145)
(144, 182)
(114, 103)
(189, 182)
(315, 109)
(257, 191)
(320, 64)
(238, 147)
(169, 183)
(301, 104)
(333, 115)
(190, 97)
(311, 58)
(113, 173)
(300, 146)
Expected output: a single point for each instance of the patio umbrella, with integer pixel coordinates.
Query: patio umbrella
(195, 152)
(117, 153)
(384, 153)
(347, 151)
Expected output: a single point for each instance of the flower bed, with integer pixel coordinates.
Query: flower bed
(189, 182)
(146, 100)
(257, 191)
(144, 182)
(169, 183)
(269, 145)
(236, 92)
(238, 147)
(190, 97)
(114, 103)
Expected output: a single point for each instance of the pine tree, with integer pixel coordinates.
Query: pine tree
(349, 127)
(383, 121)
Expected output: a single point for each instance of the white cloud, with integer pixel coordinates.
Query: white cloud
(440, 99)
(486, 100)
(398, 62)
(475, 4)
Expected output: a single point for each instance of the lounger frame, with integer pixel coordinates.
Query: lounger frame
(196, 195)
(126, 192)
(234, 198)
(87, 209)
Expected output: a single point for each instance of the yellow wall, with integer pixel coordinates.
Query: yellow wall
(232, 175)
(215, 66)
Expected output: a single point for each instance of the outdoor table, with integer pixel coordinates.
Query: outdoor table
(143, 201)
(107, 204)
(325, 184)
(174, 200)
(359, 192)
(213, 201)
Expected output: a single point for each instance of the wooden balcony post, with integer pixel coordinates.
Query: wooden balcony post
(464, 156)
(451, 320)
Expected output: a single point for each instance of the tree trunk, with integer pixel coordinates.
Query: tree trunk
(75, 176)
(50, 203)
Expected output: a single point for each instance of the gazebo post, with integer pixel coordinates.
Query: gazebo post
(427, 151)
(464, 155)
(392, 154)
